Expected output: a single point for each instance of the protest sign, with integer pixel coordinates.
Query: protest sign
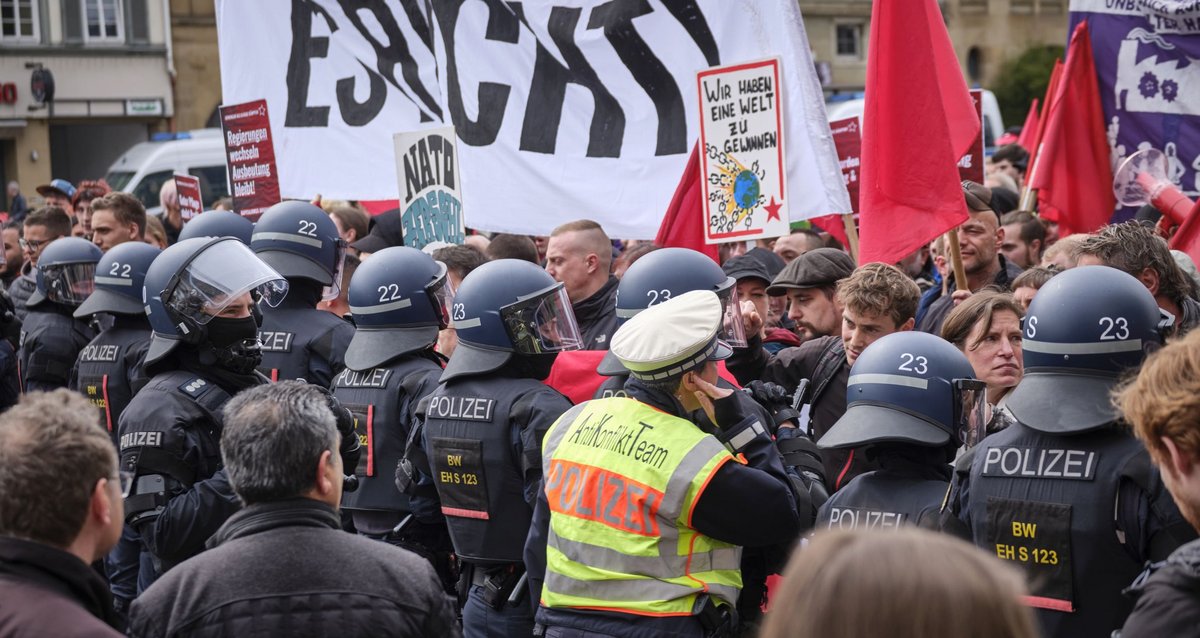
(971, 165)
(847, 137)
(430, 187)
(250, 157)
(741, 163)
(190, 201)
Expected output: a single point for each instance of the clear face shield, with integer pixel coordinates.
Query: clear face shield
(971, 411)
(543, 323)
(441, 295)
(733, 331)
(219, 276)
(331, 292)
(69, 284)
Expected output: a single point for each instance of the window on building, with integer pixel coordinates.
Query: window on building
(102, 20)
(849, 40)
(18, 21)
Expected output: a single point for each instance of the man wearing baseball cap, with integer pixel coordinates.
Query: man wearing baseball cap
(642, 515)
(58, 193)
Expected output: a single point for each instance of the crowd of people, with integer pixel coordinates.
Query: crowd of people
(301, 426)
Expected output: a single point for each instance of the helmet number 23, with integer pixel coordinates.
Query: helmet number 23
(913, 363)
(458, 312)
(1117, 328)
(658, 296)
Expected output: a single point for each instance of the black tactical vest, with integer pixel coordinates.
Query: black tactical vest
(1046, 504)
(382, 402)
(882, 499)
(108, 369)
(303, 343)
(612, 387)
(49, 345)
(469, 440)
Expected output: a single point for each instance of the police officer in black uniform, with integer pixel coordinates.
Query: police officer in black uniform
(51, 338)
(218, 223)
(1067, 492)
(400, 299)
(912, 399)
(484, 426)
(204, 349)
(301, 243)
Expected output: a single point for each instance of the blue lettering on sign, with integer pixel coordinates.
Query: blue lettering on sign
(437, 216)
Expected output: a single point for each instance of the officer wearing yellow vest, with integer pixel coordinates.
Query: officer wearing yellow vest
(642, 515)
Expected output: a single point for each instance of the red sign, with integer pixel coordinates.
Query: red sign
(250, 156)
(190, 201)
(971, 165)
(847, 137)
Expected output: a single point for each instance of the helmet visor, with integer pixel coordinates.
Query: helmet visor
(542, 323)
(220, 275)
(971, 411)
(733, 331)
(69, 284)
(331, 292)
(441, 295)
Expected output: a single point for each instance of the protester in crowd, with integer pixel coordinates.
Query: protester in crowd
(1162, 403)
(862, 584)
(996, 179)
(225, 203)
(1011, 160)
(1024, 238)
(810, 282)
(340, 305)
(630, 255)
(82, 202)
(671, 350)
(460, 261)
(14, 257)
(752, 283)
(776, 306)
(909, 420)
(1067, 473)
(1061, 254)
(731, 249)
(60, 512)
(987, 329)
(41, 227)
(17, 207)
(1026, 285)
(386, 230)
(58, 193)
(979, 241)
(286, 551)
(508, 246)
(300, 242)
(156, 233)
(1185, 263)
(51, 337)
(1004, 201)
(919, 266)
(352, 223)
(542, 242)
(116, 218)
(478, 242)
(171, 215)
(1138, 251)
(579, 254)
(800, 241)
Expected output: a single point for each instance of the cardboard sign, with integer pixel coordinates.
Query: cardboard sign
(250, 157)
(430, 187)
(190, 200)
(742, 158)
(847, 137)
(971, 165)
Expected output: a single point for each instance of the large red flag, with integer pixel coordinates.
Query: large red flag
(1072, 173)
(1029, 130)
(918, 121)
(683, 225)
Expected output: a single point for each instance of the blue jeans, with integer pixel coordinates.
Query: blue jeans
(481, 621)
(123, 564)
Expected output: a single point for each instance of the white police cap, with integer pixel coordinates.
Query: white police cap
(671, 338)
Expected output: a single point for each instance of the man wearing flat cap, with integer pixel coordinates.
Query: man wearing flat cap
(642, 515)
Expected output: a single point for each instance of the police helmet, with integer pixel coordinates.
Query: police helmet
(1083, 329)
(65, 271)
(119, 279)
(218, 223)
(400, 299)
(300, 241)
(506, 307)
(190, 282)
(910, 387)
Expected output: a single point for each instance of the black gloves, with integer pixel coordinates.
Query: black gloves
(349, 449)
(775, 399)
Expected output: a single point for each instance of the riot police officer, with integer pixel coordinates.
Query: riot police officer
(204, 349)
(912, 399)
(1067, 493)
(51, 338)
(301, 243)
(484, 426)
(218, 223)
(400, 299)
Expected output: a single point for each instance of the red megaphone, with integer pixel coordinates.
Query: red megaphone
(1142, 179)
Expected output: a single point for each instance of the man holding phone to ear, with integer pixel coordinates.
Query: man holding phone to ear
(640, 523)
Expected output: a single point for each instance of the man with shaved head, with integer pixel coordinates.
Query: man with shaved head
(797, 243)
(579, 254)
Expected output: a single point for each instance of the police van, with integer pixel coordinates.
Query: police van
(145, 167)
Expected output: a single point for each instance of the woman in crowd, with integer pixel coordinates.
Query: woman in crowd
(987, 328)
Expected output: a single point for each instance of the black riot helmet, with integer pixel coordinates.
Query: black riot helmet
(911, 387)
(65, 272)
(1084, 328)
(300, 241)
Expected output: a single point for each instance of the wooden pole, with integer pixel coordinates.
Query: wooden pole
(960, 273)
(851, 235)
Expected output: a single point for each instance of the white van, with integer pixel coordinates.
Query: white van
(993, 124)
(142, 170)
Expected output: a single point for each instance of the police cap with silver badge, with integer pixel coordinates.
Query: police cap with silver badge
(672, 338)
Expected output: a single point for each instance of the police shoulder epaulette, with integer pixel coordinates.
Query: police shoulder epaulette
(195, 387)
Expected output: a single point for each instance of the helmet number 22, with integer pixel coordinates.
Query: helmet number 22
(120, 270)
(913, 363)
(307, 228)
(1114, 328)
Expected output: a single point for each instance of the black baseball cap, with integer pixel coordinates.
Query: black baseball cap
(745, 266)
(815, 268)
(386, 231)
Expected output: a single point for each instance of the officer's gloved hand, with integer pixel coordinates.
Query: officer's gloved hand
(776, 400)
(349, 447)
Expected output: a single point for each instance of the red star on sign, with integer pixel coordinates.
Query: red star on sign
(772, 209)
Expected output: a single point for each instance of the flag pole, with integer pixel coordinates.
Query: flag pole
(1028, 195)
(851, 235)
(960, 273)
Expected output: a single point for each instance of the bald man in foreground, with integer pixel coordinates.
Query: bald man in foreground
(579, 255)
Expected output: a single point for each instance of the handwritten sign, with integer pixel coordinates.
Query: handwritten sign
(430, 187)
(971, 165)
(847, 137)
(250, 156)
(742, 163)
(190, 201)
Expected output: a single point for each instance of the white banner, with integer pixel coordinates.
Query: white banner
(586, 110)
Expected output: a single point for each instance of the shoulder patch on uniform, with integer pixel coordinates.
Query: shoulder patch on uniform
(194, 387)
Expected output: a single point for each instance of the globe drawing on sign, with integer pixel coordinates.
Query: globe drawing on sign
(746, 189)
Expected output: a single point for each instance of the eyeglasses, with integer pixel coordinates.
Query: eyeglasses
(28, 244)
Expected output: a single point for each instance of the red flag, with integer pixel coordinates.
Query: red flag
(1029, 130)
(683, 225)
(918, 121)
(833, 225)
(1072, 172)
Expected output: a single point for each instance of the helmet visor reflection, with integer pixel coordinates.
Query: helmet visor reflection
(69, 284)
(441, 295)
(220, 275)
(971, 411)
(542, 323)
(733, 331)
(331, 292)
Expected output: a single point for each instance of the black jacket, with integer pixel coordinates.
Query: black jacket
(45, 591)
(597, 316)
(941, 306)
(1169, 600)
(286, 569)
